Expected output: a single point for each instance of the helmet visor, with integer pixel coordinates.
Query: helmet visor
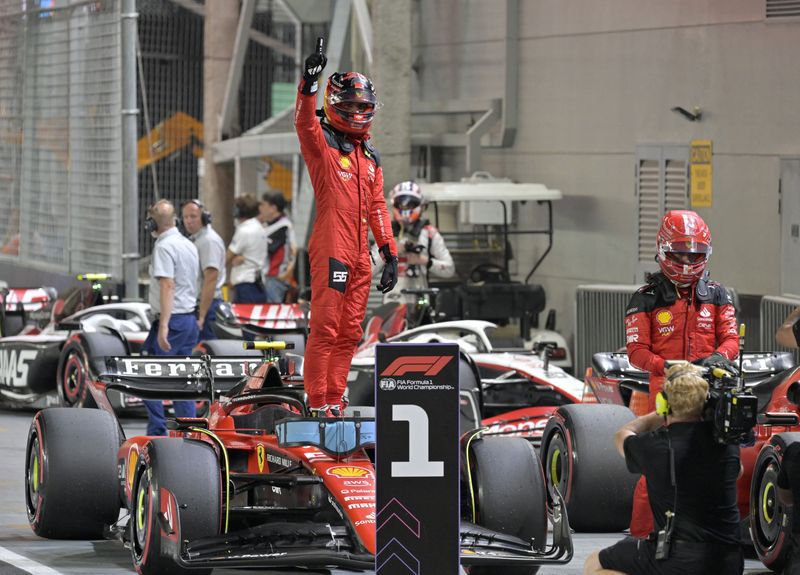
(686, 247)
(687, 258)
(354, 96)
(406, 202)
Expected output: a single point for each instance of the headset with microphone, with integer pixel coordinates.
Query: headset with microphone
(205, 215)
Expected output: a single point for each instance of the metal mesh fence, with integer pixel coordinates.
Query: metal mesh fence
(60, 150)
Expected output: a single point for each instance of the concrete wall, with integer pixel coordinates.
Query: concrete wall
(598, 78)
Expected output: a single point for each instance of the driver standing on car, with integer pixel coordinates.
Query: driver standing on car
(346, 173)
(679, 315)
(421, 249)
(692, 481)
(174, 269)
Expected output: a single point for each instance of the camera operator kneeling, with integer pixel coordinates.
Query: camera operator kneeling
(691, 480)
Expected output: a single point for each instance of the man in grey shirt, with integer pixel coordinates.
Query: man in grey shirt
(174, 269)
(211, 249)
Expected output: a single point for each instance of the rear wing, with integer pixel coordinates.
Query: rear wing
(27, 299)
(176, 378)
(755, 365)
(272, 317)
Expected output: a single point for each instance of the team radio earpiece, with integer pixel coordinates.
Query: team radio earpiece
(205, 216)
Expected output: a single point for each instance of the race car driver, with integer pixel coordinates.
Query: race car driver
(348, 186)
(420, 247)
(679, 315)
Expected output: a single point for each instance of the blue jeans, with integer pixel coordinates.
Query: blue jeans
(248, 293)
(182, 337)
(208, 325)
(275, 290)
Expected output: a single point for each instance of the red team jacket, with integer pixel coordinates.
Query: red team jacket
(659, 325)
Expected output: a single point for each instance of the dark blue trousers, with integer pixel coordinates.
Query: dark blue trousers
(183, 336)
(208, 325)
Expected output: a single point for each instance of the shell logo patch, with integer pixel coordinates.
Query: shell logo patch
(133, 459)
(344, 161)
(349, 471)
(664, 317)
(260, 457)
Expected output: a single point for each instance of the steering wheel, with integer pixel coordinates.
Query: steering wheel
(483, 272)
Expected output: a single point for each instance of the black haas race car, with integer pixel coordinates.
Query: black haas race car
(47, 343)
(258, 484)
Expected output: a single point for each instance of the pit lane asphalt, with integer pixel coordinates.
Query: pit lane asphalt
(23, 552)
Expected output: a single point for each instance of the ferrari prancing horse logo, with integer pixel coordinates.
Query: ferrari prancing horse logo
(260, 457)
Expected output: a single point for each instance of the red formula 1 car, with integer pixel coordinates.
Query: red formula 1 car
(257, 484)
(577, 449)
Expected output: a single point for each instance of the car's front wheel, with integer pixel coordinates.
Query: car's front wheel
(181, 477)
(509, 494)
(770, 525)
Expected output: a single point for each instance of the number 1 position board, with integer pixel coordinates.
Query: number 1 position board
(417, 459)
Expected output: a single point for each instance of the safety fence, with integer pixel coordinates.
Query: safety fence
(60, 135)
(599, 321)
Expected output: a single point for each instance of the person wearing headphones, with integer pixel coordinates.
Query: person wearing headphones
(679, 315)
(691, 479)
(247, 251)
(421, 249)
(174, 269)
(211, 249)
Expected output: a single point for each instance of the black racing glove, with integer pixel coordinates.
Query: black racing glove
(313, 67)
(389, 275)
(716, 359)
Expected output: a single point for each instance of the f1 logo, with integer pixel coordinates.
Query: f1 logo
(425, 364)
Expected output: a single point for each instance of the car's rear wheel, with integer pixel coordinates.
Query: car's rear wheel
(581, 461)
(509, 494)
(75, 365)
(770, 526)
(189, 471)
(71, 473)
(73, 377)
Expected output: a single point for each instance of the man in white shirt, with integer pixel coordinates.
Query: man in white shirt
(247, 252)
(173, 296)
(211, 249)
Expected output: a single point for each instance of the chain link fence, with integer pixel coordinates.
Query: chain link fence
(60, 134)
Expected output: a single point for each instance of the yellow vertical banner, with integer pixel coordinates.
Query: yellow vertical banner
(701, 173)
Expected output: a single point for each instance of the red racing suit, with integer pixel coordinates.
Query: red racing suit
(663, 322)
(348, 186)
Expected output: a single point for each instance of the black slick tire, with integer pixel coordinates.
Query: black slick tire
(770, 526)
(189, 470)
(509, 494)
(580, 459)
(71, 485)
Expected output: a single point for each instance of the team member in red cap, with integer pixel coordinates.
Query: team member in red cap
(679, 315)
(346, 174)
